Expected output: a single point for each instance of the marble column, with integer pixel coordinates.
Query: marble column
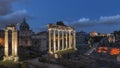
(58, 40)
(13, 42)
(70, 42)
(74, 37)
(6, 43)
(66, 39)
(16, 43)
(54, 40)
(62, 39)
(49, 30)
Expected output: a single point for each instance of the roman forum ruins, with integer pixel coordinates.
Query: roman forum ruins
(61, 38)
(14, 55)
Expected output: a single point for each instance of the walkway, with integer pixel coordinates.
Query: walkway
(90, 51)
(37, 63)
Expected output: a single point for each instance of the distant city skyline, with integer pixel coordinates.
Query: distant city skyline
(86, 15)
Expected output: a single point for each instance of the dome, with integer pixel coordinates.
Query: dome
(60, 23)
(24, 25)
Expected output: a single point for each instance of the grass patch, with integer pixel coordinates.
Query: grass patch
(9, 64)
(65, 51)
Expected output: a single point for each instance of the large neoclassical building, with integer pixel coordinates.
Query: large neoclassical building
(61, 38)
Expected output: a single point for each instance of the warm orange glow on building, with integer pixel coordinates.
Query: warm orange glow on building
(111, 51)
(1, 41)
(102, 50)
(115, 51)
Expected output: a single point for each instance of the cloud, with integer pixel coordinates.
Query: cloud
(83, 19)
(8, 16)
(103, 20)
(6, 6)
(14, 17)
(110, 20)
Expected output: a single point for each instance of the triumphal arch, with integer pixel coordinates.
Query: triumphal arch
(61, 38)
(14, 40)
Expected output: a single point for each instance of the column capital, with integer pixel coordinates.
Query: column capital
(49, 29)
(62, 30)
(69, 30)
(66, 30)
(54, 29)
(59, 30)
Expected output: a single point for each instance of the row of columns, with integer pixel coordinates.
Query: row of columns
(14, 55)
(14, 43)
(71, 41)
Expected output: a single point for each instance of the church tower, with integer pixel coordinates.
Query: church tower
(25, 34)
(24, 25)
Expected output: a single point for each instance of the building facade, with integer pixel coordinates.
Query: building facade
(81, 38)
(25, 34)
(93, 34)
(40, 41)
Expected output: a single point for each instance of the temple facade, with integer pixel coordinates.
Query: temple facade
(61, 38)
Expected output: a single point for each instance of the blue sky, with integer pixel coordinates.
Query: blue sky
(87, 15)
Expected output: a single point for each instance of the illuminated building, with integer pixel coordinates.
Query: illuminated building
(93, 34)
(111, 51)
(61, 37)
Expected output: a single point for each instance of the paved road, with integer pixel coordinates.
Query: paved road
(90, 51)
(37, 63)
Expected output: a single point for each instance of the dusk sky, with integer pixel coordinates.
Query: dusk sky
(86, 15)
